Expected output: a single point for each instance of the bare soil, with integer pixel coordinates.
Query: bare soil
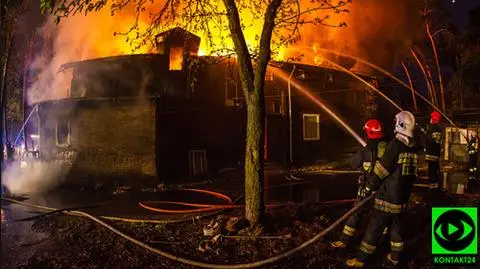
(74, 242)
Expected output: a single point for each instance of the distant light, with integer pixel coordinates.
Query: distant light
(34, 136)
(453, 1)
(23, 164)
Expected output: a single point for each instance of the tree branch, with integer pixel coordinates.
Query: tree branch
(265, 43)
(241, 49)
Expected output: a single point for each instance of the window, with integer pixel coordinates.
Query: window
(232, 94)
(176, 59)
(62, 132)
(276, 107)
(311, 127)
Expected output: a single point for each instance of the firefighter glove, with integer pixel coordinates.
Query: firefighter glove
(362, 192)
(361, 180)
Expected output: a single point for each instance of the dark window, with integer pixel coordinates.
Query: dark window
(63, 132)
(276, 107)
(311, 127)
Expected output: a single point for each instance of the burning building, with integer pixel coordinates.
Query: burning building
(176, 114)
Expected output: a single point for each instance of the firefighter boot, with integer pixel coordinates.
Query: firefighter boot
(338, 244)
(354, 263)
(392, 261)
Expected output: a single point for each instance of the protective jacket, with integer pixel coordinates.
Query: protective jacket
(394, 174)
(365, 160)
(433, 140)
(373, 151)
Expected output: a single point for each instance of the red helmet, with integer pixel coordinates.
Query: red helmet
(373, 128)
(435, 117)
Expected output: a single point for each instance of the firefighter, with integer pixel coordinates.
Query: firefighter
(472, 155)
(433, 138)
(364, 159)
(391, 182)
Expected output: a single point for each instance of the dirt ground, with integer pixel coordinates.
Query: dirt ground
(74, 242)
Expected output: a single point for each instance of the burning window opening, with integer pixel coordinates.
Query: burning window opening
(311, 127)
(62, 133)
(176, 59)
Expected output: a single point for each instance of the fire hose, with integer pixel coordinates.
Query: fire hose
(203, 264)
(152, 221)
(212, 207)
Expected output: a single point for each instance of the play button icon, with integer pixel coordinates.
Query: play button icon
(454, 230)
(451, 229)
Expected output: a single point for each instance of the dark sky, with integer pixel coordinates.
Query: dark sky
(460, 10)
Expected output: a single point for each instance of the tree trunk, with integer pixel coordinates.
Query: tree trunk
(254, 162)
(253, 82)
(3, 98)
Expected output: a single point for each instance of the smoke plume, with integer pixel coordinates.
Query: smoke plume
(23, 178)
(76, 38)
(377, 31)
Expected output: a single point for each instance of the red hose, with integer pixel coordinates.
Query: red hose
(211, 207)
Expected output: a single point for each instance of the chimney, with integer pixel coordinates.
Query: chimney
(178, 44)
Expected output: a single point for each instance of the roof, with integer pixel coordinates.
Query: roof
(287, 65)
(177, 30)
(107, 59)
(98, 99)
(317, 67)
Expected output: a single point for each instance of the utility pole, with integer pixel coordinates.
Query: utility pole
(290, 114)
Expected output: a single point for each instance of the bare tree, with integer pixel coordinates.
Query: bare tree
(280, 22)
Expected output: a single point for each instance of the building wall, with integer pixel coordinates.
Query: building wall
(105, 137)
(220, 132)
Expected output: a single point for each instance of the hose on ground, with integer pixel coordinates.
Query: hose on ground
(211, 207)
(197, 207)
(208, 265)
(51, 213)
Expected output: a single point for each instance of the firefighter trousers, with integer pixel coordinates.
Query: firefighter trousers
(433, 171)
(380, 220)
(353, 222)
(472, 160)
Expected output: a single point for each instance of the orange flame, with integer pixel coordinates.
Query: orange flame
(372, 33)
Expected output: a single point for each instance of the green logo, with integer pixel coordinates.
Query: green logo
(454, 235)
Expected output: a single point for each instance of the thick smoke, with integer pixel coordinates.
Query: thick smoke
(76, 38)
(22, 178)
(378, 31)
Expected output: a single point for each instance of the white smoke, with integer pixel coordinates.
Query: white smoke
(23, 178)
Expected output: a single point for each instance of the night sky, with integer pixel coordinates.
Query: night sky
(460, 10)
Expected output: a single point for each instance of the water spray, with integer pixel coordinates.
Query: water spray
(25, 123)
(394, 78)
(365, 82)
(302, 89)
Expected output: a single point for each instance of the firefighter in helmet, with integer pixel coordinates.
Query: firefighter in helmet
(433, 138)
(364, 159)
(391, 182)
(472, 155)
